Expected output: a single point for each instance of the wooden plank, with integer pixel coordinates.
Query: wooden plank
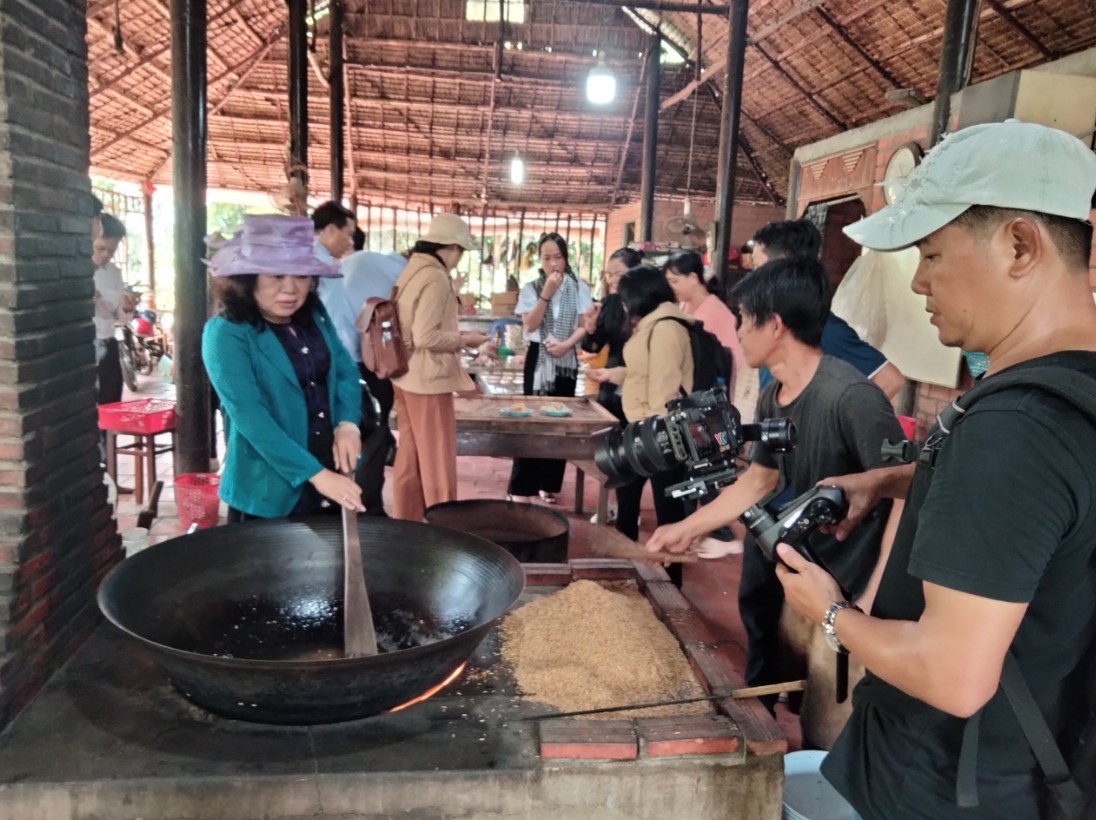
(542, 444)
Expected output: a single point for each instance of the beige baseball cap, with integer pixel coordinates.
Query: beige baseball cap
(450, 229)
(1010, 164)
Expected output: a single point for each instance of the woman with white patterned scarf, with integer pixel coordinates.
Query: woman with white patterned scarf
(551, 309)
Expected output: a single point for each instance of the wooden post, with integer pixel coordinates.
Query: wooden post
(188, 131)
(337, 98)
(650, 139)
(728, 138)
(298, 90)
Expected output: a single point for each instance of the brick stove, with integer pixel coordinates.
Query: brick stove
(57, 538)
(109, 738)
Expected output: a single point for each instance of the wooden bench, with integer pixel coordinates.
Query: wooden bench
(589, 468)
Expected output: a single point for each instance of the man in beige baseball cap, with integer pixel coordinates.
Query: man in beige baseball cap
(991, 580)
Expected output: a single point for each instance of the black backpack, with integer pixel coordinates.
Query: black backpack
(712, 363)
(1070, 786)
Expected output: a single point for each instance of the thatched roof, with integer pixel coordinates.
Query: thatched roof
(435, 122)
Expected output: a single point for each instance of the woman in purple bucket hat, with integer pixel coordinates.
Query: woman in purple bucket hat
(288, 389)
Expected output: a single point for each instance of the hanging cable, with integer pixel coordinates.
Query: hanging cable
(119, 45)
(698, 63)
(312, 28)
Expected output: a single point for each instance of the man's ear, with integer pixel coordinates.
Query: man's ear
(779, 328)
(1025, 244)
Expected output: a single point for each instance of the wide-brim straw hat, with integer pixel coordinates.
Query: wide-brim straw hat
(270, 244)
(450, 229)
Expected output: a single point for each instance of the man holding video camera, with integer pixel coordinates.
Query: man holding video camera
(990, 589)
(841, 419)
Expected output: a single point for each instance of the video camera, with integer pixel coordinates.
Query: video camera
(702, 431)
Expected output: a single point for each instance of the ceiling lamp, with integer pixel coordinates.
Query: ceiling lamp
(517, 171)
(600, 84)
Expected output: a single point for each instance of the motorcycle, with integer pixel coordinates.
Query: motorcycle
(142, 344)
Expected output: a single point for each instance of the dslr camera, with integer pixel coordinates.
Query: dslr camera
(702, 431)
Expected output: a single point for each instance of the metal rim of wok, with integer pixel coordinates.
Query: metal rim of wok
(165, 596)
(529, 532)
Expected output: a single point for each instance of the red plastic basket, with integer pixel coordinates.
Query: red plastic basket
(909, 426)
(196, 499)
(136, 417)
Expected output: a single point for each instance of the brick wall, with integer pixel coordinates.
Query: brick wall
(56, 535)
(746, 220)
(930, 399)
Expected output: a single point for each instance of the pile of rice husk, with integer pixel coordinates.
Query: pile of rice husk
(588, 647)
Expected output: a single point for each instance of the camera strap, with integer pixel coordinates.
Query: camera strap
(1068, 799)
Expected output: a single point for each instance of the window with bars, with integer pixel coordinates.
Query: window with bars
(491, 11)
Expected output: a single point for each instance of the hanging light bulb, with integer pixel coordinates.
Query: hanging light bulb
(517, 171)
(600, 84)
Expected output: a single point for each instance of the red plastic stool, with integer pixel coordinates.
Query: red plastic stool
(143, 419)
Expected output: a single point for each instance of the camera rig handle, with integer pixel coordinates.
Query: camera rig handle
(793, 523)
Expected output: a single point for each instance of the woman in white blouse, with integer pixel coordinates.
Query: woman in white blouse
(551, 308)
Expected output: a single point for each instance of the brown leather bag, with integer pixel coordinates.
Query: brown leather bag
(384, 352)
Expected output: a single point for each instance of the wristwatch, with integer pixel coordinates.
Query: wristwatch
(828, 628)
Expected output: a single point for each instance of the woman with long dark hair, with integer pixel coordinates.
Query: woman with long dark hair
(550, 307)
(658, 365)
(607, 328)
(287, 387)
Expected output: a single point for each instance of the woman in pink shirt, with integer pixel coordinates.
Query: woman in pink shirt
(701, 300)
(685, 273)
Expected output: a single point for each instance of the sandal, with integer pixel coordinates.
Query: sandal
(547, 497)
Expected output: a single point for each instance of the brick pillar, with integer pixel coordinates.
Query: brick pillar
(57, 538)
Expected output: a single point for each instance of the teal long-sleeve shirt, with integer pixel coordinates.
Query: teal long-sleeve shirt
(266, 418)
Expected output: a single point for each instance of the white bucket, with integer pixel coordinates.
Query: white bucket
(134, 540)
(807, 794)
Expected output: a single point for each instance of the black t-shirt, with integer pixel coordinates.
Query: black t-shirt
(1010, 515)
(841, 419)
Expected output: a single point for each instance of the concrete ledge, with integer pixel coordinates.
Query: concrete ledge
(692, 788)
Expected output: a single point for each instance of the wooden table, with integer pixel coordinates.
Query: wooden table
(482, 430)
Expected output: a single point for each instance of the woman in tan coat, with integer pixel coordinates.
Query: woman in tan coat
(426, 460)
(658, 365)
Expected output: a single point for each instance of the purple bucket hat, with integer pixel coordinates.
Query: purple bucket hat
(270, 244)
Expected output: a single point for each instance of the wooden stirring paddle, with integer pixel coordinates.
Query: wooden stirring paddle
(609, 543)
(359, 636)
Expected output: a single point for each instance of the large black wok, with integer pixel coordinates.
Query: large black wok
(247, 619)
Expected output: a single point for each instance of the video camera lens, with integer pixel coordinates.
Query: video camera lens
(701, 432)
(775, 435)
(638, 448)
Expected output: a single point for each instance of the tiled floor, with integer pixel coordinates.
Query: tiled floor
(711, 586)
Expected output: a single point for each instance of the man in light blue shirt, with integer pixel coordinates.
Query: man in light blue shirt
(366, 274)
